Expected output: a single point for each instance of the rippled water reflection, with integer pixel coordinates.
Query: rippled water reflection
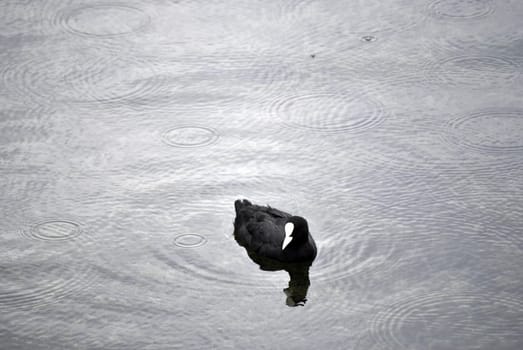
(128, 129)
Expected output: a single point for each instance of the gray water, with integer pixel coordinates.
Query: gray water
(128, 129)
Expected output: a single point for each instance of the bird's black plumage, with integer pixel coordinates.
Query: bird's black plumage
(261, 231)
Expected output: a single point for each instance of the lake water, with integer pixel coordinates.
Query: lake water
(128, 129)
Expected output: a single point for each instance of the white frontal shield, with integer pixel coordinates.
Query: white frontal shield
(289, 228)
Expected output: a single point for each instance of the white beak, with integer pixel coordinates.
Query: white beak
(289, 227)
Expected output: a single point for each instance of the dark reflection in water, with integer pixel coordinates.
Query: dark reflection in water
(299, 281)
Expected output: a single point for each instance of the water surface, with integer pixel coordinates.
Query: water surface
(128, 129)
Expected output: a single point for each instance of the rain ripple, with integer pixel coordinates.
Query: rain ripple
(206, 252)
(473, 71)
(353, 252)
(436, 320)
(190, 136)
(53, 230)
(492, 131)
(190, 240)
(54, 282)
(214, 82)
(214, 255)
(459, 9)
(48, 267)
(490, 33)
(204, 262)
(80, 75)
(329, 112)
(103, 20)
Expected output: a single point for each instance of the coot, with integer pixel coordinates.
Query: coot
(271, 233)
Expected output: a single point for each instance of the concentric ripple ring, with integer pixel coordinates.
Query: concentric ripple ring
(329, 112)
(474, 71)
(481, 319)
(190, 136)
(55, 230)
(459, 9)
(105, 20)
(492, 131)
(190, 240)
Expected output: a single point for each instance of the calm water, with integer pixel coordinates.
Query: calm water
(128, 129)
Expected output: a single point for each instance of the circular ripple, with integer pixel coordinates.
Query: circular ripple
(238, 270)
(190, 240)
(366, 248)
(461, 9)
(498, 34)
(491, 131)
(35, 273)
(329, 112)
(55, 230)
(474, 71)
(190, 136)
(50, 282)
(459, 320)
(359, 257)
(210, 266)
(339, 257)
(105, 20)
(208, 81)
(88, 77)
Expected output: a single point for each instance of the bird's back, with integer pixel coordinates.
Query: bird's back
(259, 228)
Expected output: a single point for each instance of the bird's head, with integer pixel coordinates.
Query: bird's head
(296, 230)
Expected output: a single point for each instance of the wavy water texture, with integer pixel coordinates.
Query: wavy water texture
(47, 270)
(329, 112)
(80, 75)
(104, 19)
(479, 72)
(469, 319)
(493, 131)
(461, 10)
(129, 128)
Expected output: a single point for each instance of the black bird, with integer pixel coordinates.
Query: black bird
(275, 241)
(271, 233)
